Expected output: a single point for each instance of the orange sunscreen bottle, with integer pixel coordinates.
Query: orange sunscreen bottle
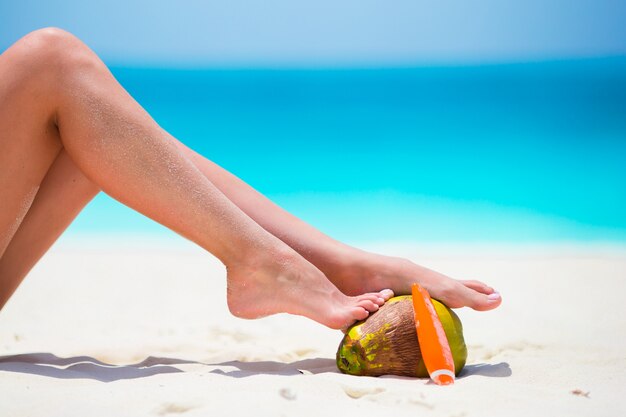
(432, 339)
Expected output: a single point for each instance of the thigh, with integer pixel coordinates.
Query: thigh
(29, 141)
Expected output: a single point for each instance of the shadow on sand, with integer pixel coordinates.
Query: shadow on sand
(498, 370)
(86, 367)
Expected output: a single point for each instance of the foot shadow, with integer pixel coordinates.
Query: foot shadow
(498, 370)
(86, 367)
(305, 366)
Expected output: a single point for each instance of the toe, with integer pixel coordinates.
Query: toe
(386, 294)
(357, 313)
(373, 297)
(369, 305)
(482, 302)
(478, 286)
(360, 313)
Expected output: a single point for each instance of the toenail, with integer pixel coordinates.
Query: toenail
(494, 296)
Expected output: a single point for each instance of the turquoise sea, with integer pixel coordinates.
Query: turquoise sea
(519, 152)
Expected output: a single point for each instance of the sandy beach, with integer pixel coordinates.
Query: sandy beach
(142, 329)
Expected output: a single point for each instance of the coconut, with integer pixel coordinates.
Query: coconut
(386, 342)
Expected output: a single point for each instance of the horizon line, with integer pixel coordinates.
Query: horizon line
(345, 66)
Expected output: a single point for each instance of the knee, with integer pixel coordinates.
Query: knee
(51, 49)
(49, 38)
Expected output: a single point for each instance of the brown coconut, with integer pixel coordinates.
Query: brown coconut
(386, 342)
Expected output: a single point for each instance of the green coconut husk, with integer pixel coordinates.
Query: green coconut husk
(386, 342)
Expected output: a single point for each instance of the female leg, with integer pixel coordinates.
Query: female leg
(58, 96)
(350, 269)
(65, 191)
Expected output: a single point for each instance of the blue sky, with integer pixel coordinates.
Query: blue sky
(562, 125)
(327, 33)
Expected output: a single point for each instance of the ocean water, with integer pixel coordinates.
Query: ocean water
(517, 152)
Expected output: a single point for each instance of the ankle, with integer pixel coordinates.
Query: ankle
(261, 256)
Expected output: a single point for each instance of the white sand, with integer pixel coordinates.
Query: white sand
(127, 330)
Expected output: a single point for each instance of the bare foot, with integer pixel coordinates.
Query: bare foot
(288, 283)
(369, 272)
